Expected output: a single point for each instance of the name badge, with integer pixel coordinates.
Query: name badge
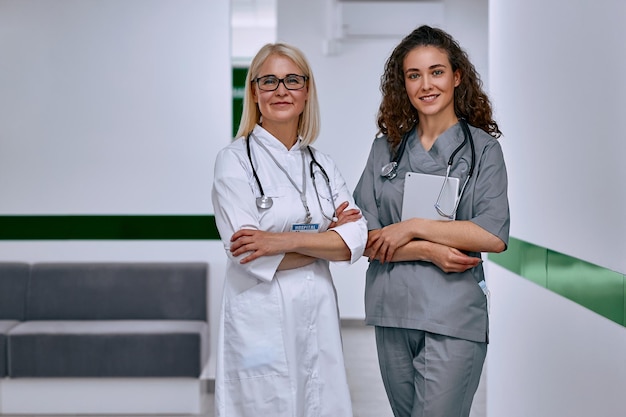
(305, 227)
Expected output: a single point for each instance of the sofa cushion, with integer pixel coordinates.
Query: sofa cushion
(13, 284)
(5, 326)
(108, 348)
(117, 291)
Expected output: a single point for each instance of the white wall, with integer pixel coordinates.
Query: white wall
(114, 107)
(549, 356)
(106, 106)
(253, 24)
(556, 79)
(468, 21)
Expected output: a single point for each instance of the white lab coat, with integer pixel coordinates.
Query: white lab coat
(279, 342)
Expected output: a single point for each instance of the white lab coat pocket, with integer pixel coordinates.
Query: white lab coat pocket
(253, 334)
(255, 364)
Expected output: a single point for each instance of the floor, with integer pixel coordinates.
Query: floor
(368, 395)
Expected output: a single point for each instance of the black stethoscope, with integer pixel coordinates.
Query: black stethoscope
(390, 170)
(265, 202)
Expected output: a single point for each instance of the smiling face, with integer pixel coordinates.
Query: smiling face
(282, 107)
(430, 81)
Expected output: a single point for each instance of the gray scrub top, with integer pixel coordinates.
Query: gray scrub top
(416, 294)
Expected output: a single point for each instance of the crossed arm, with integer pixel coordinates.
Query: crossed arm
(439, 242)
(300, 249)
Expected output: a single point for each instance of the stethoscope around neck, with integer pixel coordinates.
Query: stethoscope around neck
(390, 170)
(266, 202)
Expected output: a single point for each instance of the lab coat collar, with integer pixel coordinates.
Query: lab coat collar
(272, 142)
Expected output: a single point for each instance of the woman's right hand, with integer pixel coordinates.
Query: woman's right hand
(450, 259)
(256, 243)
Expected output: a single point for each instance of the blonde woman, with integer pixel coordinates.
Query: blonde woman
(283, 212)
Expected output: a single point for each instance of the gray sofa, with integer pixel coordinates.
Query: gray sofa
(13, 284)
(101, 320)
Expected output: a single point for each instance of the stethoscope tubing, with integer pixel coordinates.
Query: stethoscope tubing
(389, 170)
(467, 138)
(256, 176)
(311, 164)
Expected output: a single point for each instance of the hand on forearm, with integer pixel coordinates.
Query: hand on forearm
(450, 259)
(382, 243)
(258, 243)
(446, 258)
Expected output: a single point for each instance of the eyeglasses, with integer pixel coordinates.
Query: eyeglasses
(291, 82)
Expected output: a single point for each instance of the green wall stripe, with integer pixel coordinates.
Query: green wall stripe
(594, 287)
(108, 227)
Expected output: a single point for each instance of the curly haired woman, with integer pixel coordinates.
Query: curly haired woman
(425, 291)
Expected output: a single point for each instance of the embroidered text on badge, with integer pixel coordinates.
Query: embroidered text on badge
(304, 227)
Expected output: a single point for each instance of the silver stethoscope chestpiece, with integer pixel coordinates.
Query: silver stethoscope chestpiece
(389, 170)
(264, 202)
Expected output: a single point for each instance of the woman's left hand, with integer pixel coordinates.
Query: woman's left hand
(345, 216)
(382, 243)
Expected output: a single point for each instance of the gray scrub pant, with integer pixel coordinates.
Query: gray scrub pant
(428, 375)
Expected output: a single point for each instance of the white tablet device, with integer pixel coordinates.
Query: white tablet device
(421, 192)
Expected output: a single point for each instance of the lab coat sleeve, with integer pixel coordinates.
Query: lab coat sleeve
(365, 193)
(235, 208)
(354, 234)
(491, 204)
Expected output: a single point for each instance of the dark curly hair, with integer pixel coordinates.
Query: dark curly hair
(397, 116)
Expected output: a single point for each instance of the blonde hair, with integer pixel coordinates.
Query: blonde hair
(309, 121)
